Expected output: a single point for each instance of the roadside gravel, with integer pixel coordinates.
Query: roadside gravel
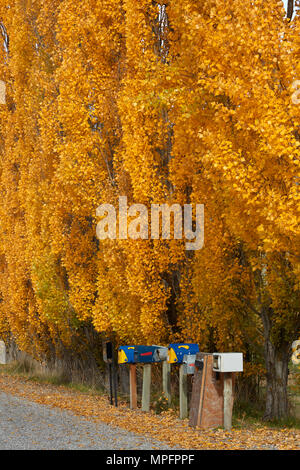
(25, 425)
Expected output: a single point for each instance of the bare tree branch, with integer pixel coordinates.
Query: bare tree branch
(4, 36)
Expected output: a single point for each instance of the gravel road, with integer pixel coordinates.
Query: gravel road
(28, 425)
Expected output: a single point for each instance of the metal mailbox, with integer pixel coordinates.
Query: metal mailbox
(107, 351)
(228, 362)
(126, 354)
(141, 354)
(178, 350)
(161, 353)
(189, 360)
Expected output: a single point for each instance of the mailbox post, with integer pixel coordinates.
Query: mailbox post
(146, 393)
(108, 357)
(212, 397)
(183, 392)
(228, 364)
(145, 355)
(126, 356)
(132, 385)
(180, 353)
(162, 354)
(166, 380)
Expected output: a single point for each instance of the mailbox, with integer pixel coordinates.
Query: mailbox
(189, 360)
(107, 351)
(178, 350)
(141, 354)
(126, 354)
(160, 353)
(228, 362)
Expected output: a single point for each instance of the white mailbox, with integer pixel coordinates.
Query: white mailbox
(228, 362)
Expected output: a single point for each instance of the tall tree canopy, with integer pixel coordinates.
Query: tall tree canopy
(164, 102)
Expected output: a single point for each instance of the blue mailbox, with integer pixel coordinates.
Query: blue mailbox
(126, 354)
(178, 350)
(140, 354)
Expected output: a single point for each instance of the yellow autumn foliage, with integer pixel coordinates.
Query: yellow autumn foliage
(164, 102)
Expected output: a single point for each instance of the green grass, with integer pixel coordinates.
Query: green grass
(24, 370)
(245, 414)
(252, 414)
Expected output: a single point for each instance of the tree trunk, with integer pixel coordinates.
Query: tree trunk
(290, 9)
(277, 377)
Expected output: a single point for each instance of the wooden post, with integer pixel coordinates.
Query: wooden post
(227, 401)
(2, 353)
(115, 382)
(202, 391)
(110, 383)
(132, 383)
(146, 387)
(166, 373)
(183, 402)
